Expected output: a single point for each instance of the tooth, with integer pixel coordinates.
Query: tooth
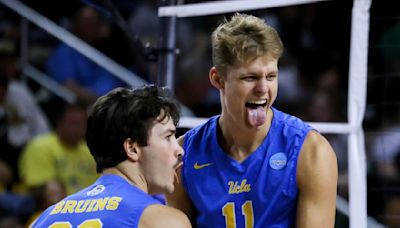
(257, 102)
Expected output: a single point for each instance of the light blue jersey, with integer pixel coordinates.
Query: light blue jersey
(258, 192)
(110, 202)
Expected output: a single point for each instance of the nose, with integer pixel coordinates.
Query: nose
(179, 152)
(180, 157)
(261, 86)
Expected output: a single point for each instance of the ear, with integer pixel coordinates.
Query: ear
(131, 149)
(216, 79)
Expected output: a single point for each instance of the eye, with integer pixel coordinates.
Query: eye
(271, 77)
(170, 136)
(250, 78)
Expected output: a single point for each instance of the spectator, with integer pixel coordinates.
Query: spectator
(61, 154)
(386, 150)
(46, 195)
(78, 73)
(21, 117)
(13, 206)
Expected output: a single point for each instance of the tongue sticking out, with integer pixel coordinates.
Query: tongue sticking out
(256, 116)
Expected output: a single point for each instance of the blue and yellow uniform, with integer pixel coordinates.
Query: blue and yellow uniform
(260, 192)
(110, 202)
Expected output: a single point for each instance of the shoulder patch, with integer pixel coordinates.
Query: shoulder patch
(96, 190)
(278, 161)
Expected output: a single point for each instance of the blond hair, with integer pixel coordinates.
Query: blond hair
(242, 39)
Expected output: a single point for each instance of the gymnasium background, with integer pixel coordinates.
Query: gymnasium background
(313, 74)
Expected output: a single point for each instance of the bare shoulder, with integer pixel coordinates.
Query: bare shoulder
(162, 216)
(317, 148)
(316, 155)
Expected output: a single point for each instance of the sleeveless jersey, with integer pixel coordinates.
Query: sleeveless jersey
(260, 192)
(110, 202)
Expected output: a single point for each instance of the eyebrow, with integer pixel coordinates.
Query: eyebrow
(257, 72)
(173, 131)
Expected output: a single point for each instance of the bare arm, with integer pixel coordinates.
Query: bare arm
(161, 216)
(179, 199)
(317, 176)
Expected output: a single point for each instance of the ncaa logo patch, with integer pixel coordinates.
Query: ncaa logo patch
(278, 161)
(96, 190)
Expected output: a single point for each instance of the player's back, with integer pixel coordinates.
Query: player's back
(110, 202)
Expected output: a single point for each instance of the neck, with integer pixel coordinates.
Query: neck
(239, 140)
(134, 178)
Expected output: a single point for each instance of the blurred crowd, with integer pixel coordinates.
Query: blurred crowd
(43, 155)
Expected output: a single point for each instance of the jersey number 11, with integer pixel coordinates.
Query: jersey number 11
(228, 211)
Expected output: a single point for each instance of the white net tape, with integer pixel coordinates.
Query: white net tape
(356, 93)
(218, 7)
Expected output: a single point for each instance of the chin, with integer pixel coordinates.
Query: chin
(169, 189)
(165, 189)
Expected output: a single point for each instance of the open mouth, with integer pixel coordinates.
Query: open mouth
(178, 165)
(256, 104)
(176, 168)
(256, 114)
